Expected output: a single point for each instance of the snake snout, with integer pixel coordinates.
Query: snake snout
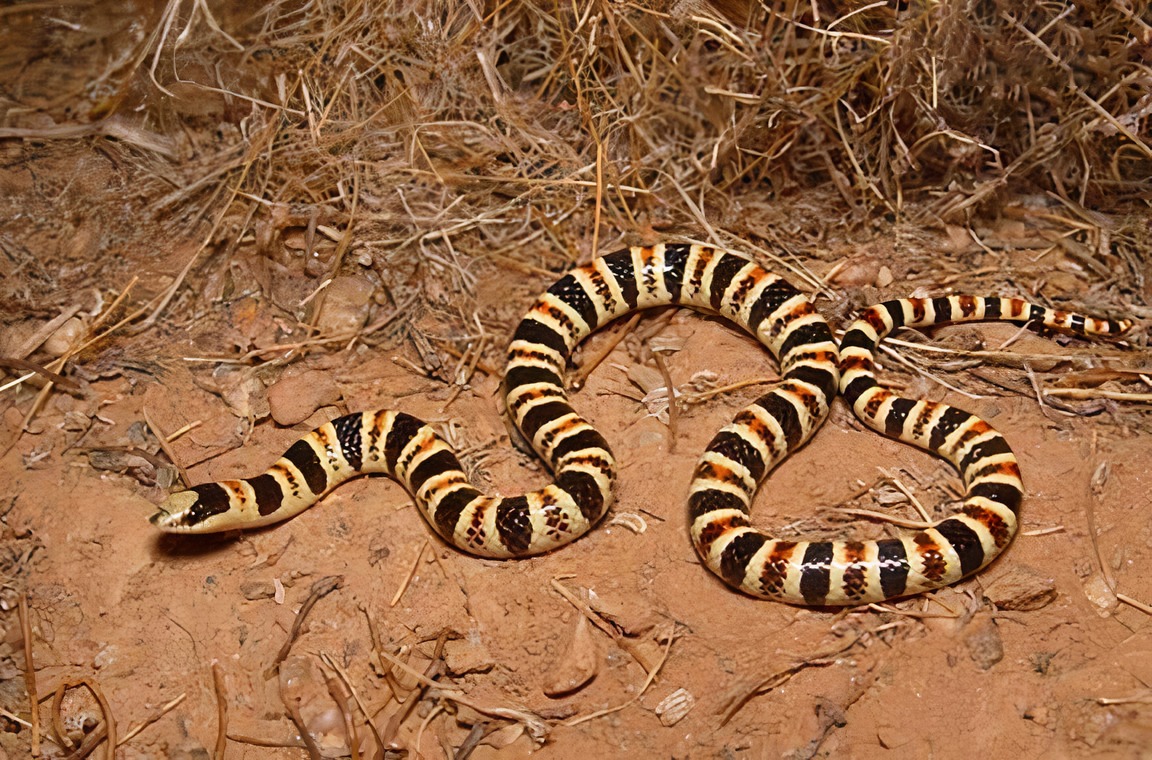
(172, 516)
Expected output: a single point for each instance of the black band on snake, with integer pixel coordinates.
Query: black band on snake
(727, 475)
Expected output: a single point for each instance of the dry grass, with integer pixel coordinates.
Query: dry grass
(425, 137)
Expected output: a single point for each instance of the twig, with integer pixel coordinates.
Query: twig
(912, 613)
(258, 741)
(221, 712)
(1136, 699)
(166, 296)
(587, 611)
(47, 374)
(59, 362)
(1043, 531)
(902, 522)
(30, 674)
(412, 698)
(1088, 393)
(289, 348)
(185, 429)
(107, 312)
(356, 696)
(320, 589)
(1146, 609)
(44, 332)
(341, 249)
(90, 742)
(432, 715)
(411, 574)
(109, 719)
(629, 645)
(1136, 141)
(164, 710)
(531, 722)
(598, 205)
(580, 376)
(15, 718)
(825, 657)
(1099, 477)
(831, 34)
(477, 363)
(420, 677)
(475, 735)
(302, 728)
(1004, 356)
(673, 414)
(341, 695)
(162, 439)
(887, 349)
(696, 398)
(911, 497)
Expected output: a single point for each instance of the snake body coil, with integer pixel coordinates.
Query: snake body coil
(727, 475)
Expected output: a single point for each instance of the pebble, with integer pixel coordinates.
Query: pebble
(1098, 591)
(346, 306)
(985, 646)
(1021, 588)
(857, 272)
(297, 395)
(66, 336)
(579, 664)
(462, 657)
(253, 590)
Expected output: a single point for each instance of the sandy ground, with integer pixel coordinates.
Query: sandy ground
(1033, 657)
(475, 160)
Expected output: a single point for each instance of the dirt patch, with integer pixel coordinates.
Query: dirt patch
(224, 237)
(148, 617)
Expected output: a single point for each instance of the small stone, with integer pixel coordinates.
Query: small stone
(884, 277)
(1021, 588)
(345, 306)
(959, 239)
(66, 336)
(632, 619)
(297, 395)
(579, 664)
(1101, 594)
(856, 272)
(462, 657)
(985, 646)
(1040, 715)
(106, 656)
(254, 590)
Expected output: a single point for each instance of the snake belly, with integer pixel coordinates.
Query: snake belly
(741, 455)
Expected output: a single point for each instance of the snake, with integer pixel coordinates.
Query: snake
(814, 369)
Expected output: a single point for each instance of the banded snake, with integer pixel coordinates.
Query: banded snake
(813, 370)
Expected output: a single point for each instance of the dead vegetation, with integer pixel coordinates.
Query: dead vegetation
(219, 198)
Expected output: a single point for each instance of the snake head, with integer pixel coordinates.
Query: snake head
(202, 509)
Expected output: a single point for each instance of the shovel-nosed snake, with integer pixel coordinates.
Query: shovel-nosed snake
(813, 370)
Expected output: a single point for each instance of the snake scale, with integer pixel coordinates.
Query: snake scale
(813, 370)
